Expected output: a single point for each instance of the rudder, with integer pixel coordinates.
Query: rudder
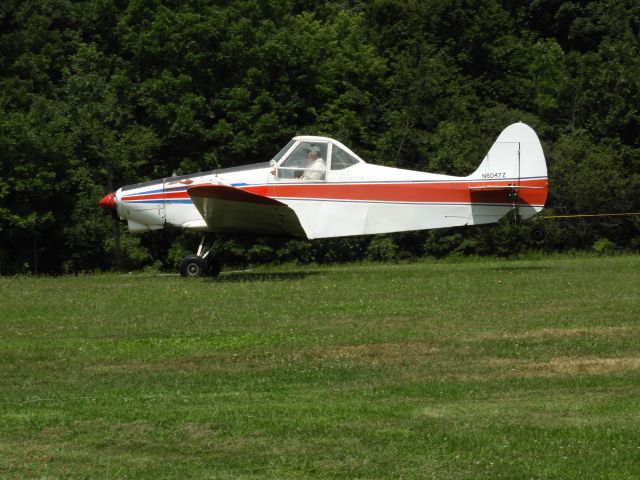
(515, 155)
(514, 168)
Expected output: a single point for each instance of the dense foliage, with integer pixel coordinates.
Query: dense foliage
(98, 93)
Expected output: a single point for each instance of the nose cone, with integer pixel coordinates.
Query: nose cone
(108, 201)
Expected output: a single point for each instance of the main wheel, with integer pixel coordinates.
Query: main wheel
(193, 266)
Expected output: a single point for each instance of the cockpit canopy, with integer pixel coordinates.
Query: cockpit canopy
(310, 158)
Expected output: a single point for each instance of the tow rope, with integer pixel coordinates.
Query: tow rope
(627, 214)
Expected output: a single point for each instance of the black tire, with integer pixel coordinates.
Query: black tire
(538, 234)
(193, 266)
(213, 267)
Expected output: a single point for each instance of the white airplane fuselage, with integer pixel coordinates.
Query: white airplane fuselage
(334, 193)
(365, 199)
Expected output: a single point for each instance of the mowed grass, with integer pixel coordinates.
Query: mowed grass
(462, 370)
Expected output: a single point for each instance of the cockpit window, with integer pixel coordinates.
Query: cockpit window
(306, 162)
(286, 148)
(341, 159)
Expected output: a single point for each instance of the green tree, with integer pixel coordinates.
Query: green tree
(109, 149)
(33, 153)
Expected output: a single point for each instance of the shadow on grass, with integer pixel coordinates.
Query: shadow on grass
(249, 276)
(519, 268)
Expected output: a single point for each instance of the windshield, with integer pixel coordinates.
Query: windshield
(306, 162)
(277, 158)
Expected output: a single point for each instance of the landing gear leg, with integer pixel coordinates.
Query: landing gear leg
(515, 201)
(205, 262)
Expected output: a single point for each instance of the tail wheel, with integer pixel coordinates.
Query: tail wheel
(193, 266)
(538, 234)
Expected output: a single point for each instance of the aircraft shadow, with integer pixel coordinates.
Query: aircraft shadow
(519, 268)
(230, 277)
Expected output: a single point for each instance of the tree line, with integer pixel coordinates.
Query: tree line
(97, 94)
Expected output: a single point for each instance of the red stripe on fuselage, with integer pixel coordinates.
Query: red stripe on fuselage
(411, 192)
(428, 192)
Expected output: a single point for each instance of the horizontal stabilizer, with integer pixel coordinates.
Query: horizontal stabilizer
(231, 210)
(504, 187)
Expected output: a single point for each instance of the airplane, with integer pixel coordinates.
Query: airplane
(316, 187)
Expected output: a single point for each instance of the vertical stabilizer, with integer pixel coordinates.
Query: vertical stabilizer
(516, 154)
(515, 170)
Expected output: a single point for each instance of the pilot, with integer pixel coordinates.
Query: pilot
(315, 167)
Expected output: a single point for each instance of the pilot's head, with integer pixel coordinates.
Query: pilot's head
(313, 152)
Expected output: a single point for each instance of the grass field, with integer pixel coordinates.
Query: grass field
(448, 370)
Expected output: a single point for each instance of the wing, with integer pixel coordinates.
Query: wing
(228, 209)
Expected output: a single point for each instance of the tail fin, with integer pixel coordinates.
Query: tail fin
(516, 154)
(514, 164)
